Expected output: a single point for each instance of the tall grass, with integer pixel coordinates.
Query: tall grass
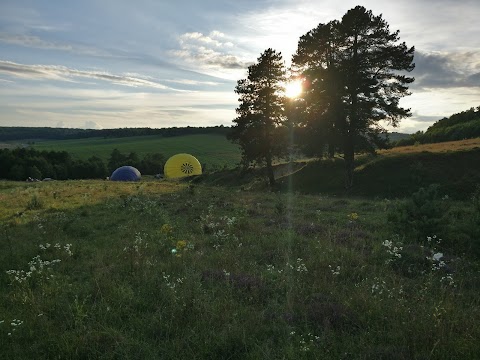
(169, 271)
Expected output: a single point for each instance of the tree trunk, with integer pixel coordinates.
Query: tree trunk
(349, 155)
(331, 150)
(271, 177)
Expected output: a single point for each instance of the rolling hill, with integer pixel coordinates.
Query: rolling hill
(213, 150)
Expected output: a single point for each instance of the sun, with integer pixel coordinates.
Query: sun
(293, 89)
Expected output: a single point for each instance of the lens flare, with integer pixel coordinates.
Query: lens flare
(293, 89)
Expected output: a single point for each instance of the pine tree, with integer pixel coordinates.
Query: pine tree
(260, 113)
(356, 70)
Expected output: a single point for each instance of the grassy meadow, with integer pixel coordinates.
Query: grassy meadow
(213, 150)
(440, 147)
(166, 270)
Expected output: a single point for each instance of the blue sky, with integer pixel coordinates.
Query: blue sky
(159, 63)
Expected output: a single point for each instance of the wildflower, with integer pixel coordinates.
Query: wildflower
(335, 271)
(68, 250)
(393, 250)
(301, 266)
(437, 256)
(181, 244)
(174, 251)
(448, 280)
(353, 216)
(166, 229)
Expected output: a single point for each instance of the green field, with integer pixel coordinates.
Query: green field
(166, 270)
(396, 172)
(213, 150)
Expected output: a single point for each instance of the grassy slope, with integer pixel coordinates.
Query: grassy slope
(398, 172)
(447, 146)
(259, 276)
(210, 149)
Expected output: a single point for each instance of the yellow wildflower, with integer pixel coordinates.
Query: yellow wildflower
(181, 244)
(353, 216)
(166, 229)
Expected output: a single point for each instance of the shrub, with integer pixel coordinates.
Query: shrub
(421, 215)
(35, 203)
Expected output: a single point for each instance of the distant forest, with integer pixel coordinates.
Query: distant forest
(25, 163)
(463, 125)
(48, 133)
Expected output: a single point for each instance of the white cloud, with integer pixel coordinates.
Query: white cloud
(63, 73)
(91, 125)
(32, 41)
(208, 51)
(192, 82)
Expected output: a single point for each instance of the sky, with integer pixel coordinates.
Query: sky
(163, 63)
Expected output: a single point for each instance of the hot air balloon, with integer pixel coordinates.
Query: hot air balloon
(126, 173)
(182, 165)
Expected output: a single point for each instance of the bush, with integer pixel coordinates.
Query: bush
(421, 215)
(35, 203)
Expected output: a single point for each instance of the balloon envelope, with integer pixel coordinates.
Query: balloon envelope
(182, 165)
(126, 173)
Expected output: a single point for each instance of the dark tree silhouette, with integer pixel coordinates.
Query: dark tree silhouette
(355, 69)
(260, 113)
(116, 160)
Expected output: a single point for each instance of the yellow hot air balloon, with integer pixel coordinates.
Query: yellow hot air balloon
(182, 165)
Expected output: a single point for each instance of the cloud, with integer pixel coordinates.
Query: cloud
(63, 73)
(425, 118)
(446, 69)
(91, 125)
(208, 51)
(213, 39)
(192, 82)
(32, 41)
(112, 107)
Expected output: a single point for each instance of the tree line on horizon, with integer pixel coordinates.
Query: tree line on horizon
(48, 133)
(353, 73)
(24, 163)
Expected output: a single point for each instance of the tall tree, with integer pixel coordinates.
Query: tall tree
(361, 76)
(116, 160)
(317, 61)
(260, 113)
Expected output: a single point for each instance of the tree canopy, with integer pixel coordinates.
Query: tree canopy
(354, 71)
